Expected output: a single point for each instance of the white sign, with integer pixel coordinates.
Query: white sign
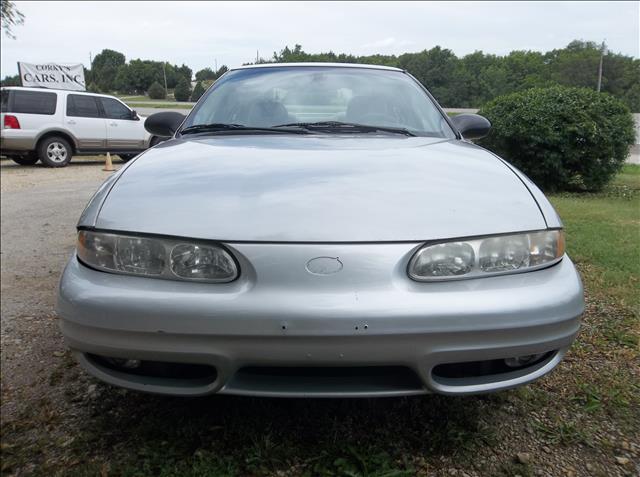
(52, 75)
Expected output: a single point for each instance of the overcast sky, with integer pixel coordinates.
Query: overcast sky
(200, 33)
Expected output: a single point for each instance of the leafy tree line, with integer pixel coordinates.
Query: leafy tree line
(472, 80)
(207, 74)
(468, 81)
(110, 72)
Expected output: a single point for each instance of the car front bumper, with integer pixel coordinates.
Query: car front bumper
(274, 319)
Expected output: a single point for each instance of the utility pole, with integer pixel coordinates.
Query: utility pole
(257, 56)
(90, 60)
(164, 73)
(600, 66)
(215, 62)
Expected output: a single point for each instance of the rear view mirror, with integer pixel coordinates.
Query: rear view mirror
(164, 124)
(134, 115)
(471, 126)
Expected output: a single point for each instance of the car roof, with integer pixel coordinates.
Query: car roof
(333, 65)
(53, 90)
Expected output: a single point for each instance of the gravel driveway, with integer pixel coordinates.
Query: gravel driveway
(40, 208)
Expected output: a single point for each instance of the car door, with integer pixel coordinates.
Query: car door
(85, 122)
(125, 131)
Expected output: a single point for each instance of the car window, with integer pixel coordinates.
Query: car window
(33, 102)
(4, 103)
(82, 106)
(115, 109)
(274, 96)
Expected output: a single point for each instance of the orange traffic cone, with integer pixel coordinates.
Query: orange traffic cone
(108, 165)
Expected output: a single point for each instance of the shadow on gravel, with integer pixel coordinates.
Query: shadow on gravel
(275, 434)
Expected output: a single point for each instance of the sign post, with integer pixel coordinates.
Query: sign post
(52, 75)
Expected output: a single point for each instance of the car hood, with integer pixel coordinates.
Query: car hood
(319, 189)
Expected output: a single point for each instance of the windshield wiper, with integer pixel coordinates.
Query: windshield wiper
(345, 127)
(224, 127)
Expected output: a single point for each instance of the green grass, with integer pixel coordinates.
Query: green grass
(134, 98)
(603, 236)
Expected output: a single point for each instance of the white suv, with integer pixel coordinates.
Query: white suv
(53, 125)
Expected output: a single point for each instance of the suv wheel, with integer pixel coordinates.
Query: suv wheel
(55, 152)
(28, 160)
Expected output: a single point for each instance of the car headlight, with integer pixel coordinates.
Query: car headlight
(488, 256)
(171, 259)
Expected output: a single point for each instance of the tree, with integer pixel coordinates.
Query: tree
(222, 70)
(465, 82)
(205, 74)
(198, 91)
(575, 65)
(104, 68)
(123, 82)
(184, 71)
(11, 17)
(477, 78)
(143, 73)
(632, 97)
(157, 91)
(434, 68)
(183, 90)
(10, 81)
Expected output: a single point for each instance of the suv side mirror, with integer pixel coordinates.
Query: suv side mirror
(134, 115)
(471, 126)
(164, 124)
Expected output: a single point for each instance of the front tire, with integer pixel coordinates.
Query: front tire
(55, 151)
(29, 160)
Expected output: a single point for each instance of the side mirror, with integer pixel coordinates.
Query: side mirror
(471, 126)
(134, 115)
(164, 124)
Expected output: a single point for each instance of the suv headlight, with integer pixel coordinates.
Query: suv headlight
(482, 257)
(171, 259)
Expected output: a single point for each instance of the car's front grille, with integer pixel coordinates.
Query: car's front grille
(324, 381)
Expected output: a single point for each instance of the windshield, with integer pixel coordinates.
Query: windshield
(268, 97)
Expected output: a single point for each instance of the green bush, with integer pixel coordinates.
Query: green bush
(562, 138)
(183, 90)
(198, 91)
(156, 91)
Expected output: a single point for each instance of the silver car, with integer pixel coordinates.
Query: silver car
(319, 230)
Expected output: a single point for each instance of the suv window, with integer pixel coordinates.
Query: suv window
(115, 109)
(82, 106)
(4, 103)
(32, 102)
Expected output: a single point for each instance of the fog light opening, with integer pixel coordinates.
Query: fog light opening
(166, 370)
(490, 370)
(125, 363)
(520, 361)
